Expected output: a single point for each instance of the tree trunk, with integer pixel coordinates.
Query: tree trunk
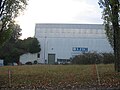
(115, 22)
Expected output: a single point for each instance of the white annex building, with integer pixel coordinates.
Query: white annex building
(1, 62)
(60, 42)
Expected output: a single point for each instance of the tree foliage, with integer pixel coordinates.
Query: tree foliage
(9, 10)
(11, 51)
(14, 47)
(16, 31)
(29, 45)
(108, 18)
(111, 12)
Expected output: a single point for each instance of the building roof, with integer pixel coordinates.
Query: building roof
(69, 26)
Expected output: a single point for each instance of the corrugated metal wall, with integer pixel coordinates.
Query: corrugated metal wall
(60, 39)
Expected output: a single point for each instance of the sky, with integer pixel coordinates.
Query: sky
(58, 11)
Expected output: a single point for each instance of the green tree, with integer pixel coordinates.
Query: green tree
(9, 10)
(16, 31)
(14, 47)
(34, 46)
(111, 12)
(11, 51)
(30, 45)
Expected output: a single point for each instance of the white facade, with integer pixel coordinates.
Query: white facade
(1, 63)
(28, 58)
(63, 41)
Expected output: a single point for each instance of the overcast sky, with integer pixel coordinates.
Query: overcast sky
(58, 11)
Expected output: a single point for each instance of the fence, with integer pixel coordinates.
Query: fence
(5, 79)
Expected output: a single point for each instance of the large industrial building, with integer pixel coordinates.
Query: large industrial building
(60, 42)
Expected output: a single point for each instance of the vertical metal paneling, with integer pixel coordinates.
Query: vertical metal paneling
(57, 40)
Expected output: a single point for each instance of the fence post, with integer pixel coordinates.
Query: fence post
(9, 78)
(98, 77)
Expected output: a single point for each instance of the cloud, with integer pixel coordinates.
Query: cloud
(58, 11)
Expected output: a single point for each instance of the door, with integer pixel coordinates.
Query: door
(51, 58)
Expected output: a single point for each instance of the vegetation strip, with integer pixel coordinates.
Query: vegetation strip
(54, 77)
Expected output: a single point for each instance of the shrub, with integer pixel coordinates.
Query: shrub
(92, 58)
(108, 58)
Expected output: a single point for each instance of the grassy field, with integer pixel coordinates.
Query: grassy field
(59, 76)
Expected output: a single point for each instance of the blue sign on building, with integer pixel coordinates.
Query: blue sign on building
(81, 49)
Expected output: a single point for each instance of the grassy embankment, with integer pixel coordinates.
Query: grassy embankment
(59, 76)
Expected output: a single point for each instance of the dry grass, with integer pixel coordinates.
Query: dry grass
(59, 76)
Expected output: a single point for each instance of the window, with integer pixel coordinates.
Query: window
(38, 55)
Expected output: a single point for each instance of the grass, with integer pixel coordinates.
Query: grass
(59, 76)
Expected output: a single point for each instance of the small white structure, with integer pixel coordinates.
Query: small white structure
(1, 62)
(28, 58)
